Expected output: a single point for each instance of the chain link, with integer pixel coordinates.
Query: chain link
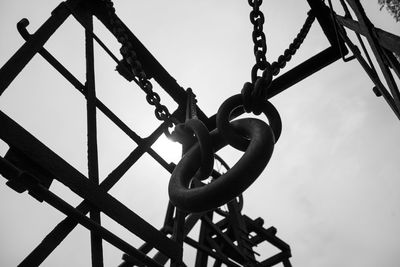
(260, 46)
(283, 59)
(258, 88)
(259, 40)
(130, 58)
(254, 93)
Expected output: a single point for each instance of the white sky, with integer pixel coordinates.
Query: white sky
(331, 187)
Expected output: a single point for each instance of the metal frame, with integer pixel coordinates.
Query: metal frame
(31, 166)
(383, 44)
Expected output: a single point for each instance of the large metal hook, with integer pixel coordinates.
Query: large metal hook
(234, 181)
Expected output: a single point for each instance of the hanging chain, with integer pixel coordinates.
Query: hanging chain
(254, 93)
(260, 84)
(260, 46)
(130, 58)
(260, 43)
(283, 59)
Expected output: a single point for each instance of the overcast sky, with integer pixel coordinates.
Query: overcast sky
(331, 187)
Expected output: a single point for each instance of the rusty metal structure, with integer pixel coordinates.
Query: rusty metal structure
(29, 165)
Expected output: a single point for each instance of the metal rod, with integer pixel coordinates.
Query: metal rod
(266, 234)
(17, 137)
(102, 107)
(337, 34)
(280, 257)
(372, 74)
(21, 58)
(239, 230)
(178, 233)
(376, 49)
(11, 172)
(93, 162)
(386, 39)
(322, 13)
(207, 252)
(151, 66)
(189, 223)
(58, 234)
(202, 256)
(298, 73)
(304, 70)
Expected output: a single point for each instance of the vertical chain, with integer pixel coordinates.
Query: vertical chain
(258, 36)
(130, 58)
(260, 47)
(254, 93)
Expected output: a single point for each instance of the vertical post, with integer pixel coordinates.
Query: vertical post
(240, 231)
(93, 169)
(201, 257)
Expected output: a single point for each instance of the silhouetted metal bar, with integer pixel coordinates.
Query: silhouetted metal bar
(150, 64)
(201, 255)
(230, 246)
(371, 73)
(167, 228)
(15, 136)
(93, 165)
(32, 184)
(239, 230)
(394, 63)
(58, 234)
(178, 233)
(19, 60)
(204, 249)
(286, 263)
(298, 73)
(307, 68)
(376, 49)
(322, 13)
(386, 39)
(278, 258)
(303, 70)
(267, 234)
(106, 111)
(54, 238)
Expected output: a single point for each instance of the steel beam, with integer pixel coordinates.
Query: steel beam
(15, 136)
(386, 39)
(20, 59)
(33, 185)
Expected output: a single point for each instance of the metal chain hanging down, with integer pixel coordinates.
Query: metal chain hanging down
(228, 239)
(255, 92)
(252, 136)
(135, 67)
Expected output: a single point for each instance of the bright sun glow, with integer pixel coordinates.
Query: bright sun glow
(169, 150)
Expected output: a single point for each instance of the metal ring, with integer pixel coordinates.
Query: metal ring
(234, 181)
(235, 103)
(206, 147)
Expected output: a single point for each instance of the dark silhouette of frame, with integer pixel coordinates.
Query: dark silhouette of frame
(31, 166)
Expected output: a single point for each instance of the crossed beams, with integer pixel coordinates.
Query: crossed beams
(30, 165)
(47, 165)
(383, 45)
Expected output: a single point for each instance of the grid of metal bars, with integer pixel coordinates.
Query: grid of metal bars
(31, 166)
